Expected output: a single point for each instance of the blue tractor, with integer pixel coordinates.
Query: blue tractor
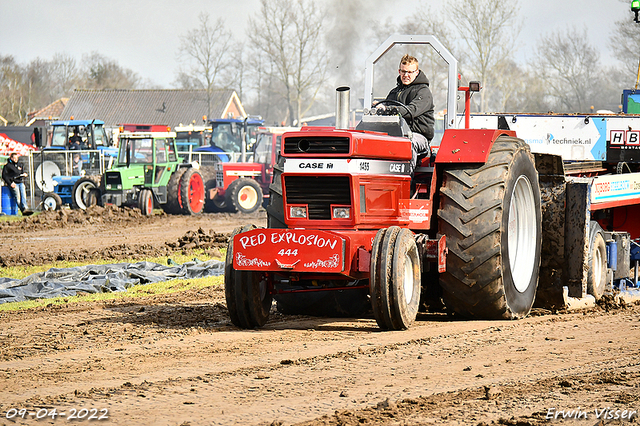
(221, 136)
(70, 166)
(232, 137)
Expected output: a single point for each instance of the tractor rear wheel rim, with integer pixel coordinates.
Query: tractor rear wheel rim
(196, 187)
(49, 203)
(522, 233)
(408, 278)
(247, 197)
(598, 262)
(83, 191)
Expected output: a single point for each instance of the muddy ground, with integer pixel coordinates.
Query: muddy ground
(177, 360)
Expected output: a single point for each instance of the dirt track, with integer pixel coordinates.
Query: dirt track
(177, 360)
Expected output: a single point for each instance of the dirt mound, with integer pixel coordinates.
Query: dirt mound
(609, 302)
(209, 241)
(65, 218)
(200, 239)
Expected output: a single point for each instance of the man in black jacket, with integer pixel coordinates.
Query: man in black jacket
(13, 176)
(413, 91)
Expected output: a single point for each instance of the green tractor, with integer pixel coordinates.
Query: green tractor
(149, 173)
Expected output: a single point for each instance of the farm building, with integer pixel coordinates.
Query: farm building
(170, 107)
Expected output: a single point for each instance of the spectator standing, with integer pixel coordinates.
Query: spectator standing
(13, 175)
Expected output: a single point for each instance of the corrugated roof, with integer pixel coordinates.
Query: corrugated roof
(170, 107)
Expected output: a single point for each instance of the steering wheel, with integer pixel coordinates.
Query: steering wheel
(396, 103)
(392, 102)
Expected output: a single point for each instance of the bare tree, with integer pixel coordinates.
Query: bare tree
(24, 89)
(288, 34)
(204, 53)
(429, 21)
(510, 87)
(263, 85)
(235, 76)
(570, 67)
(64, 74)
(625, 44)
(489, 29)
(100, 72)
(12, 98)
(37, 84)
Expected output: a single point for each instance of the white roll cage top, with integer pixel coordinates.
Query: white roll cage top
(452, 80)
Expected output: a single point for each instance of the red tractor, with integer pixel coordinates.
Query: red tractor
(346, 216)
(241, 186)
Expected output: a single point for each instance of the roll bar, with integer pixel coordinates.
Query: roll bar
(452, 62)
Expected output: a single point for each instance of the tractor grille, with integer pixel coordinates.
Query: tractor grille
(318, 193)
(316, 145)
(113, 179)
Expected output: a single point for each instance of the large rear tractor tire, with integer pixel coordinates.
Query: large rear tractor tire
(191, 192)
(491, 216)
(394, 281)
(245, 195)
(145, 202)
(86, 192)
(597, 262)
(172, 206)
(246, 292)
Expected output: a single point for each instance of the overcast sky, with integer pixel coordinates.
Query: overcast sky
(143, 35)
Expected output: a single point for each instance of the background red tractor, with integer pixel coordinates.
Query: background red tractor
(244, 187)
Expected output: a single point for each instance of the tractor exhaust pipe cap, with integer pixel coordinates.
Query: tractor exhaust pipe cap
(342, 107)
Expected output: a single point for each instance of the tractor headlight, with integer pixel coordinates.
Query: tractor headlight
(342, 212)
(298, 212)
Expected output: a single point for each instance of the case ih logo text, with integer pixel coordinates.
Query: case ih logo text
(315, 165)
(396, 168)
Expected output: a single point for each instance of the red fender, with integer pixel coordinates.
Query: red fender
(468, 145)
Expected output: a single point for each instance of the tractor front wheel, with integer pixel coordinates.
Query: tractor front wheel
(51, 201)
(246, 292)
(145, 202)
(245, 195)
(491, 216)
(394, 281)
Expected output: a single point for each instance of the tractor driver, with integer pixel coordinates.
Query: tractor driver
(413, 91)
(75, 140)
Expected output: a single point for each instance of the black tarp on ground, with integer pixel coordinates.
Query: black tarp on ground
(58, 282)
